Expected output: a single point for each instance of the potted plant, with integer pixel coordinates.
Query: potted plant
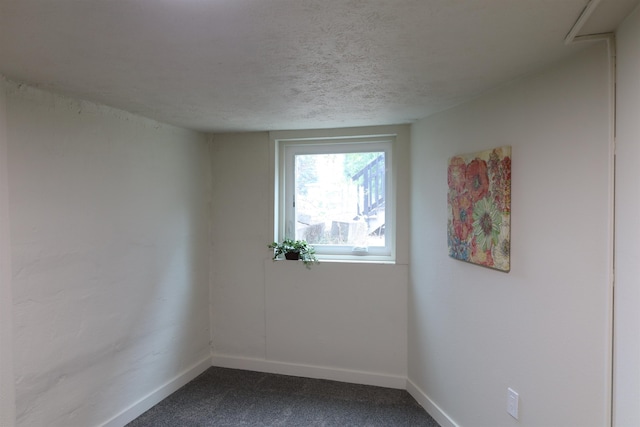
(295, 250)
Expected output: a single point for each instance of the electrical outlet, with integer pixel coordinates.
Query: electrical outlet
(512, 402)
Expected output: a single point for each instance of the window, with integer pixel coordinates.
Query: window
(337, 194)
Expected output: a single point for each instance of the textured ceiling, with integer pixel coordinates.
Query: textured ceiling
(232, 65)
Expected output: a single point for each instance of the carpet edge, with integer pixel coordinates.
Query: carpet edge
(309, 371)
(156, 396)
(429, 405)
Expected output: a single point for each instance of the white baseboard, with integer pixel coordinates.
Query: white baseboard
(309, 371)
(434, 410)
(144, 404)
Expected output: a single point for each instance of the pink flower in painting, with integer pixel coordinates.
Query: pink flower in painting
(456, 174)
(479, 256)
(462, 211)
(477, 179)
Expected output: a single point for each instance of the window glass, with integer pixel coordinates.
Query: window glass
(340, 199)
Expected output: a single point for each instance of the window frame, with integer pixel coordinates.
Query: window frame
(284, 215)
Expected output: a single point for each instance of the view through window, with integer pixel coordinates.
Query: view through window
(340, 199)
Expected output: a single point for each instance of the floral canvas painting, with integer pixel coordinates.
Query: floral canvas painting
(479, 208)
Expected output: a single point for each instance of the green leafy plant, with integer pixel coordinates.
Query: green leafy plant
(295, 249)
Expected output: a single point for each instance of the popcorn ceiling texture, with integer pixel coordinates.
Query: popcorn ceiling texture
(256, 65)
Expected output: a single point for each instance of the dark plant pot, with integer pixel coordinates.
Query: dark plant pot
(292, 255)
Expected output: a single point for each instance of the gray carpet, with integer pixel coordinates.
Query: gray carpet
(231, 397)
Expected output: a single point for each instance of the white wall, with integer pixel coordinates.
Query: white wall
(109, 224)
(343, 321)
(544, 328)
(7, 393)
(627, 303)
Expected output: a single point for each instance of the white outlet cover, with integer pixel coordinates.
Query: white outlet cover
(512, 402)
